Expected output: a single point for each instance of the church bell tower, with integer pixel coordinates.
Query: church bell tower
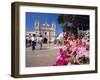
(37, 27)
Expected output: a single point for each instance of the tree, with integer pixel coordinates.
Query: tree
(73, 22)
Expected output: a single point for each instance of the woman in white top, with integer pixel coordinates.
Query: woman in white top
(33, 42)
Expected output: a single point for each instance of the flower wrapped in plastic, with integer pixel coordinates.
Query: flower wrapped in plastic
(63, 58)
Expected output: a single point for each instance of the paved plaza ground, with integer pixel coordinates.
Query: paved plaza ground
(44, 57)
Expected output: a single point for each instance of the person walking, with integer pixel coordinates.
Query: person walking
(29, 40)
(33, 41)
(40, 41)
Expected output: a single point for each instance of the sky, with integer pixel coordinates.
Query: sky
(31, 17)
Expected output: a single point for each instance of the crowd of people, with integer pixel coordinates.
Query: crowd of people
(31, 41)
(75, 50)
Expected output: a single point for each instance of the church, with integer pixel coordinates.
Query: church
(46, 30)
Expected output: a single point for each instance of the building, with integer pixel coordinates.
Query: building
(46, 30)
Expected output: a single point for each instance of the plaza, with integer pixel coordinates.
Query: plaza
(44, 57)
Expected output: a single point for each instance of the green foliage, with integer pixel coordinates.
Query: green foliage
(74, 20)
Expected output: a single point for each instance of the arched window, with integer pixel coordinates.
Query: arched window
(45, 33)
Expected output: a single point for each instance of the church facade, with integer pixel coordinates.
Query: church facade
(46, 30)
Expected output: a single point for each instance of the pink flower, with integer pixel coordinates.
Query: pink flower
(62, 58)
(82, 52)
(86, 54)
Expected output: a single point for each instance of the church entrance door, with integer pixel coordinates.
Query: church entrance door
(45, 40)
